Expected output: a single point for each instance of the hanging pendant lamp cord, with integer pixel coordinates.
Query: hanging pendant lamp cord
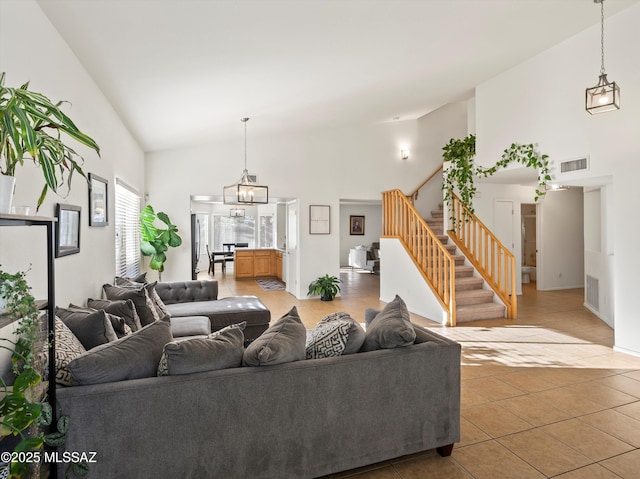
(245, 129)
(601, 45)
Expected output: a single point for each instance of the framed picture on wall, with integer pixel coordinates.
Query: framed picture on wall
(319, 219)
(356, 225)
(67, 230)
(98, 189)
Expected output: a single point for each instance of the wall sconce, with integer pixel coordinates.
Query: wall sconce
(404, 154)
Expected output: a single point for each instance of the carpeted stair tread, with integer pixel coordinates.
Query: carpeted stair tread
(464, 271)
(473, 296)
(475, 312)
(471, 282)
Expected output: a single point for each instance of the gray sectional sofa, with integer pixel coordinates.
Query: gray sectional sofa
(301, 419)
(200, 298)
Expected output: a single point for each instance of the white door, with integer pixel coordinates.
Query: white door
(291, 259)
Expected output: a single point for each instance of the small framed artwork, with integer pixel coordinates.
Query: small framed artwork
(236, 212)
(356, 225)
(319, 219)
(98, 201)
(67, 230)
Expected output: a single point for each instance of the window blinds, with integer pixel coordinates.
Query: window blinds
(128, 257)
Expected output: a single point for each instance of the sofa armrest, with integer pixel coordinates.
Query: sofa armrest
(187, 291)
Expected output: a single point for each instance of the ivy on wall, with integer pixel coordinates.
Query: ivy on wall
(462, 171)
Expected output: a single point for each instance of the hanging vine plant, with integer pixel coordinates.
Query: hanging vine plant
(462, 170)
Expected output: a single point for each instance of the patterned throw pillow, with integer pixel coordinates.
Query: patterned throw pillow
(327, 339)
(356, 333)
(68, 347)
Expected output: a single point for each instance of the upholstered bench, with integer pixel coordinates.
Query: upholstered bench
(200, 298)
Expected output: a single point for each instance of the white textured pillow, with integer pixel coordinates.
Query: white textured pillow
(327, 339)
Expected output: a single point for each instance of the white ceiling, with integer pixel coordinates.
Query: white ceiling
(184, 72)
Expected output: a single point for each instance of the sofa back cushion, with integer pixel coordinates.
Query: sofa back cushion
(187, 291)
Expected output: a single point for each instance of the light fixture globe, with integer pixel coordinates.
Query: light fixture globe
(245, 191)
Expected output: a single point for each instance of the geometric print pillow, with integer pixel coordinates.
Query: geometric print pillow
(327, 339)
(68, 347)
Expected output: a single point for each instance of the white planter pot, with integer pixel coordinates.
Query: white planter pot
(7, 184)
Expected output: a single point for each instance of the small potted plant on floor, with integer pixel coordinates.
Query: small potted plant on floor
(326, 286)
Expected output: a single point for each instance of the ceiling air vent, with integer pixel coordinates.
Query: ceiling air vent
(574, 165)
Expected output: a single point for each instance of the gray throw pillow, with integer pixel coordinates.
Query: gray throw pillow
(391, 328)
(123, 308)
(144, 307)
(220, 350)
(327, 339)
(68, 347)
(356, 333)
(132, 357)
(369, 315)
(117, 322)
(91, 328)
(283, 342)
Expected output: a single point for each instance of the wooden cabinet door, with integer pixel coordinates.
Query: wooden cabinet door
(244, 264)
(279, 265)
(262, 263)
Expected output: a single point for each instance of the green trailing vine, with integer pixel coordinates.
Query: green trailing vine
(20, 407)
(462, 171)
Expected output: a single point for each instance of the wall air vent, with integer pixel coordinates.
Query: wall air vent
(592, 292)
(574, 165)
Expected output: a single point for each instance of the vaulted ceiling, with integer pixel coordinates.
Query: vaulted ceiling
(183, 72)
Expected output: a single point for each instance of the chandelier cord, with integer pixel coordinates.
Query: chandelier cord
(244, 120)
(601, 38)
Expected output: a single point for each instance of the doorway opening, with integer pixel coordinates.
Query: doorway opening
(529, 234)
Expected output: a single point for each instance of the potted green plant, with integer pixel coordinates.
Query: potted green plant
(326, 286)
(31, 125)
(156, 241)
(23, 407)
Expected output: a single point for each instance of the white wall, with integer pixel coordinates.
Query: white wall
(32, 50)
(372, 228)
(542, 101)
(316, 167)
(400, 276)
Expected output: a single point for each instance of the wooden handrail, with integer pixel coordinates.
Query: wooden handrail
(433, 260)
(491, 258)
(412, 196)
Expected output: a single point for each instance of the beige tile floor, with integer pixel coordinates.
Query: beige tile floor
(542, 396)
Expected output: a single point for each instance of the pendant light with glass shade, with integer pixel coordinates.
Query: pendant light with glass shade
(605, 96)
(245, 191)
